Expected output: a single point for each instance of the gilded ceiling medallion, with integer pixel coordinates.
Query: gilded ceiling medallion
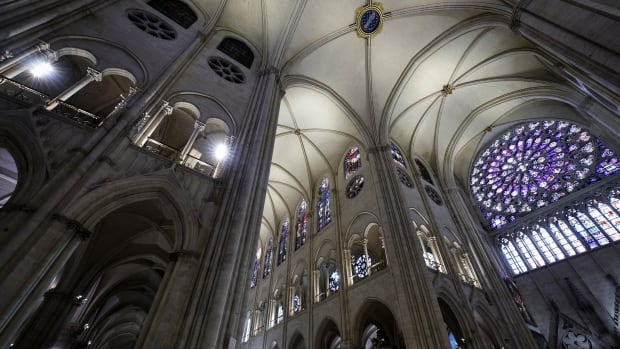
(369, 19)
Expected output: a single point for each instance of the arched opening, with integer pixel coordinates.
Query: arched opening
(210, 148)
(60, 74)
(8, 176)
(377, 327)
(169, 138)
(115, 277)
(101, 97)
(299, 288)
(297, 342)
(453, 328)
(328, 336)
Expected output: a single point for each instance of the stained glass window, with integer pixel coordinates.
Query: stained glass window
(397, 155)
(268, 258)
(423, 171)
(301, 225)
(334, 282)
(255, 268)
(280, 317)
(296, 303)
(360, 267)
(324, 214)
(352, 162)
(586, 225)
(534, 165)
(283, 242)
(355, 186)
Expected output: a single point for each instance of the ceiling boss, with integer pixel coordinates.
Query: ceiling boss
(369, 19)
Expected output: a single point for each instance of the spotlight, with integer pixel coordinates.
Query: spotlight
(41, 68)
(221, 151)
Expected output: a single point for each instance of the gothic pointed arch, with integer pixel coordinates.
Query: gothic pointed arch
(328, 335)
(376, 325)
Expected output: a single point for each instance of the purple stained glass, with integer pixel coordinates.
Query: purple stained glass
(534, 165)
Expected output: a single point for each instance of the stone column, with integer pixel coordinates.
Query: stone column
(367, 257)
(13, 63)
(317, 285)
(153, 123)
(91, 75)
(165, 320)
(47, 320)
(419, 318)
(490, 280)
(199, 126)
(231, 248)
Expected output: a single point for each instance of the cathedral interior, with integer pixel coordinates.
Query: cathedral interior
(291, 174)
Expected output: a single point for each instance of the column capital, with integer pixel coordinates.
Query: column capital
(166, 107)
(199, 125)
(94, 74)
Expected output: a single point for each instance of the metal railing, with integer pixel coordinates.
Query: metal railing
(199, 165)
(21, 92)
(159, 148)
(30, 96)
(78, 115)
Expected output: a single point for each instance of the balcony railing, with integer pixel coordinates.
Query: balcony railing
(78, 115)
(199, 165)
(21, 92)
(159, 148)
(31, 97)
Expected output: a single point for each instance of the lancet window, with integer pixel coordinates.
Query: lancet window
(324, 215)
(283, 241)
(268, 258)
(301, 225)
(537, 165)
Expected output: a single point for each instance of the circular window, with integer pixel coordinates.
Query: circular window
(404, 178)
(151, 24)
(226, 70)
(433, 194)
(355, 186)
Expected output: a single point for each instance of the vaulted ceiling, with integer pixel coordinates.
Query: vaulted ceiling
(440, 80)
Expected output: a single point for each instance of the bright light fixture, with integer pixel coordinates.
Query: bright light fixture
(221, 151)
(40, 69)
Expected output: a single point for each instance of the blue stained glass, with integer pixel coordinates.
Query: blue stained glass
(334, 282)
(283, 243)
(324, 215)
(454, 344)
(255, 268)
(370, 21)
(296, 303)
(360, 267)
(268, 258)
(301, 225)
(397, 155)
(534, 165)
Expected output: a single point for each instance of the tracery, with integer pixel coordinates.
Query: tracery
(538, 164)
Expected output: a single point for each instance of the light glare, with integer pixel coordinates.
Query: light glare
(41, 69)
(221, 152)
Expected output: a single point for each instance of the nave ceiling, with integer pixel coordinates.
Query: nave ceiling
(343, 90)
